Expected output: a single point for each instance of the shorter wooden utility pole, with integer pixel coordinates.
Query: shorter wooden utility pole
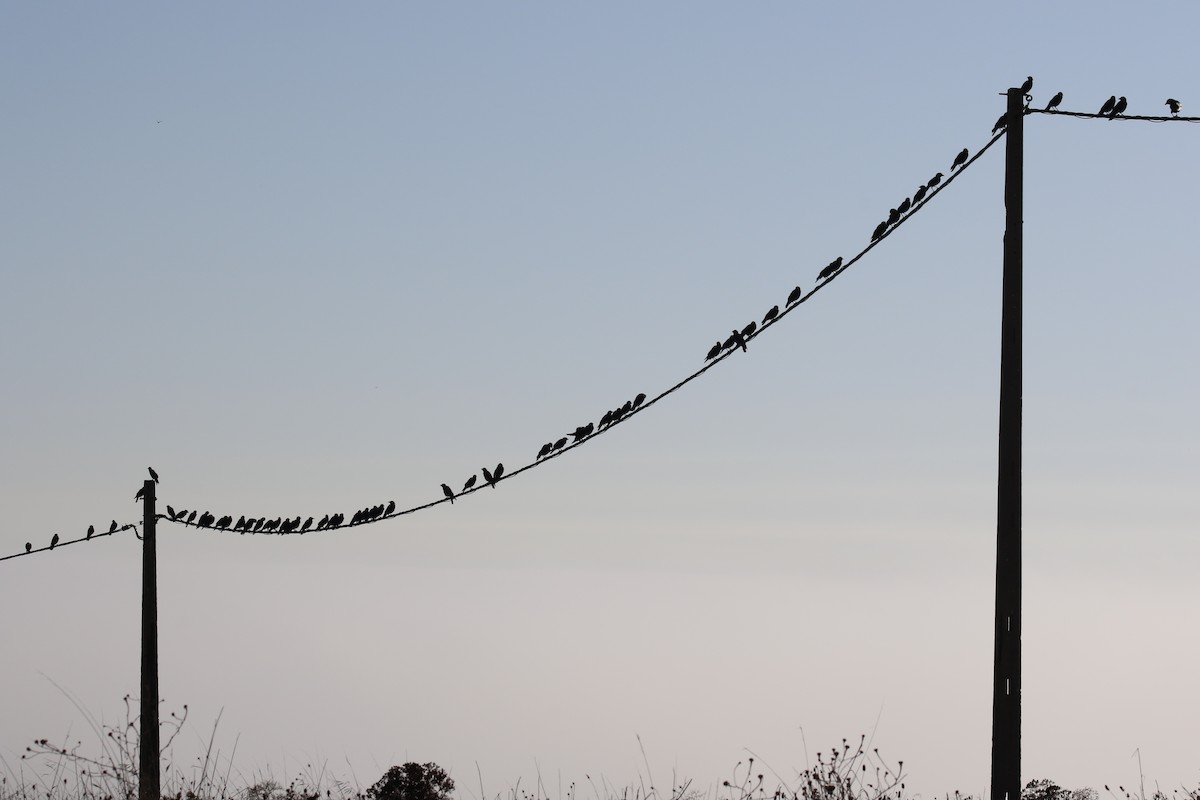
(149, 779)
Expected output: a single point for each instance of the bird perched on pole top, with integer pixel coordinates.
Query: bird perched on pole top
(960, 159)
(1119, 108)
(1054, 102)
(1027, 86)
(1174, 105)
(153, 474)
(1108, 106)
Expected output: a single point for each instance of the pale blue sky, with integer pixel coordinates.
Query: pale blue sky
(304, 258)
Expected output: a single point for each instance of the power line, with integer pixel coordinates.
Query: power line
(55, 545)
(1119, 117)
(375, 514)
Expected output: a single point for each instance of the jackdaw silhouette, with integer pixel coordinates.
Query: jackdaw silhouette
(1119, 108)
(713, 352)
(1001, 123)
(919, 195)
(960, 159)
(28, 546)
(880, 229)
(1108, 106)
(796, 294)
(830, 268)
(770, 315)
(935, 180)
(53, 541)
(487, 477)
(91, 530)
(739, 340)
(470, 482)
(113, 528)
(1174, 105)
(391, 506)
(153, 474)
(637, 402)
(1027, 86)
(545, 451)
(1054, 102)
(446, 490)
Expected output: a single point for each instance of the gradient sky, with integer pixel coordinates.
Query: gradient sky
(308, 257)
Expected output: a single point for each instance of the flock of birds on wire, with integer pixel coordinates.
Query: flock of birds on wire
(1112, 108)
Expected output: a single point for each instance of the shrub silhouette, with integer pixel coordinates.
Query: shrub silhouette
(413, 782)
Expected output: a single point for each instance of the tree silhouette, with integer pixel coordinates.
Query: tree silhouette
(413, 782)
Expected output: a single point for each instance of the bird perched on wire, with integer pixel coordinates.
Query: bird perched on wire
(91, 530)
(1001, 123)
(446, 490)
(192, 517)
(53, 541)
(1174, 105)
(880, 230)
(904, 207)
(830, 268)
(545, 451)
(1108, 106)
(771, 314)
(935, 180)
(560, 444)
(153, 474)
(893, 216)
(1027, 86)
(919, 195)
(1119, 108)
(637, 403)
(28, 546)
(391, 506)
(1054, 102)
(739, 340)
(489, 478)
(470, 482)
(960, 159)
(749, 330)
(796, 294)
(113, 528)
(713, 352)
(140, 494)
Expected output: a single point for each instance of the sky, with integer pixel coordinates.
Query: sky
(303, 258)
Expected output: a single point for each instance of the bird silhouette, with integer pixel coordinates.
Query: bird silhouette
(1174, 105)
(499, 472)
(240, 524)
(739, 340)
(113, 528)
(153, 474)
(880, 229)
(1027, 86)
(470, 482)
(91, 530)
(171, 512)
(391, 506)
(960, 159)
(28, 546)
(713, 352)
(262, 523)
(488, 479)
(919, 195)
(637, 403)
(747, 331)
(1054, 102)
(307, 524)
(446, 490)
(191, 516)
(893, 216)
(1119, 108)
(830, 268)
(324, 521)
(796, 293)
(206, 519)
(1001, 123)
(140, 494)
(1108, 106)
(935, 180)
(545, 451)
(730, 342)
(607, 419)
(771, 314)
(53, 541)
(225, 521)
(905, 206)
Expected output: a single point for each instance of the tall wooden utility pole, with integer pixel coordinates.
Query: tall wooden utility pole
(1006, 687)
(148, 767)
